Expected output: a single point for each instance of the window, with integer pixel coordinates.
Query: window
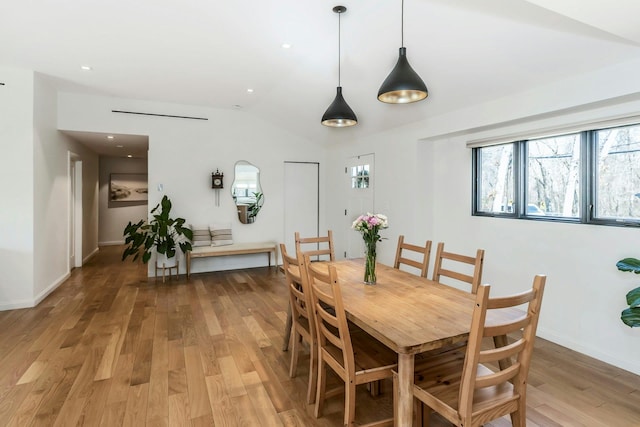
(590, 177)
(360, 176)
(617, 173)
(495, 185)
(553, 187)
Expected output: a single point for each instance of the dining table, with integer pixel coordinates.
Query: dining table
(410, 314)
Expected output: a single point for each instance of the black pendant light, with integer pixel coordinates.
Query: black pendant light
(403, 85)
(339, 114)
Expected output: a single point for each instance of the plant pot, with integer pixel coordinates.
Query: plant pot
(163, 261)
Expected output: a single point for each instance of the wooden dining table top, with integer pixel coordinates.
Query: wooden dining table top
(408, 313)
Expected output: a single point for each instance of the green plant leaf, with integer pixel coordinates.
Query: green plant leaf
(631, 317)
(158, 234)
(633, 297)
(185, 246)
(629, 264)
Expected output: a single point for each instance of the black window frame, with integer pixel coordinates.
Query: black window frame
(588, 175)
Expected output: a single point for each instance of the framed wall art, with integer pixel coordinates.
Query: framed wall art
(128, 187)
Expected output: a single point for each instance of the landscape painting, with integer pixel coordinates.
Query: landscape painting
(128, 187)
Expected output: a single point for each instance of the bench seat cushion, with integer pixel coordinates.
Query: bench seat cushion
(236, 247)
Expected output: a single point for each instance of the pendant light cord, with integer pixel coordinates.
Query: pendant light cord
(339, 38)
(402, 26)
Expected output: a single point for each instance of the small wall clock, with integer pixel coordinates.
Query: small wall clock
(217, 184)
(216, 180)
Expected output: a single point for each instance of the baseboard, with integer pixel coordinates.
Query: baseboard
(113, 243)
(16, 305)
(595, 353)
(29, 303)
(42, 295)
(91, 255)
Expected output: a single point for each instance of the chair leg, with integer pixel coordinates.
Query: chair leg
(519, 417)
(374, 388)
(426, 415)
(295, 350)
(349, 403)
(313, 374)
(287, 329)
(322, 386)
(418, 410)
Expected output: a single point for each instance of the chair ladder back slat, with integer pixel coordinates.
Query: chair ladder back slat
(500, 353)
(423, 252)
(497, 377)
(331, 337)
(472, 279)
(456, 275)
(325, 316)
(512, 300)
(506, 328)
(318, 251)
(458, 257)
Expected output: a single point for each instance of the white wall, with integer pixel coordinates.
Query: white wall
(183, 153)
(35, 215)
(398, 194)
(16, 174)
(585, 292)
(114, 217)
(51, 194)
(425, 189)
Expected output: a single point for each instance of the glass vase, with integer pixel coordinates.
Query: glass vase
(370, 264)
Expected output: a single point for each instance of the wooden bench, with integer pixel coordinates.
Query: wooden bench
(235, 249)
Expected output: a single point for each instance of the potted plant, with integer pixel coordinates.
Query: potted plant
(161, 234)
(255, 207)
(631, 316)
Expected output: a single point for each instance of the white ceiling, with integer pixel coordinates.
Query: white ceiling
(210, 52)
(113, 144)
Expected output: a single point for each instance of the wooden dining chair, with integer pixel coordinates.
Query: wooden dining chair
(302, 320)
(472, 279)
(413, 255)
(356, 357)
(472, 389)
(321, 246)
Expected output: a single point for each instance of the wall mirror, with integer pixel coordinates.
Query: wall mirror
(247, 192)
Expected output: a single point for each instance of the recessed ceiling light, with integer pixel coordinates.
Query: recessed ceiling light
(119, 146)
(85, 68)
(249, 90)
(286, 46)
(110, 137)
(129, 155)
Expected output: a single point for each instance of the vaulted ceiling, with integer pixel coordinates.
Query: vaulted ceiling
(210, 52)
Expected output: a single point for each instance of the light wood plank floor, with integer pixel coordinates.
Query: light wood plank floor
(111, 347)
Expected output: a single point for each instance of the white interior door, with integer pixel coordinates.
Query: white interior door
(301, 201)
(359, 177)
(72, 212)
(75, 211)
(78, 215)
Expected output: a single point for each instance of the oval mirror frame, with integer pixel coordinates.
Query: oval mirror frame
(246, 191)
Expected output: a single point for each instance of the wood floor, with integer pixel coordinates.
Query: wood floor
(111, 347)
